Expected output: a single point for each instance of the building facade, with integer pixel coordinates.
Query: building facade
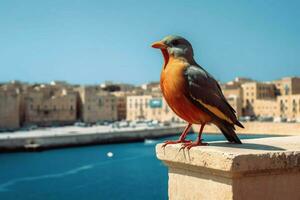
(236, 104)
(45, 105)
(149, 107)
(96, 105)
(234, 95)
(289, 107)
(253, 91)
(266, 108)
(9, 109)
(121, 97)
(288, 86)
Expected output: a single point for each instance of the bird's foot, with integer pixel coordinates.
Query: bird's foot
(176, 142)
(193, 144)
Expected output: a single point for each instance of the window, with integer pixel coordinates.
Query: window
(46, 112)
(281, 106)
(100, 102)
(71, 108)
(294, 106)
(286, 89)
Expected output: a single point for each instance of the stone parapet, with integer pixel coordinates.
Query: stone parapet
(270, 128)
(266, 168)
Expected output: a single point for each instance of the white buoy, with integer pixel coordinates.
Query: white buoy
(110, 154)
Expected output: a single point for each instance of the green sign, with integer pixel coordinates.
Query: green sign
(155, 103)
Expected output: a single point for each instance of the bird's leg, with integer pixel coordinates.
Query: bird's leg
(181, 138)
(198, 142)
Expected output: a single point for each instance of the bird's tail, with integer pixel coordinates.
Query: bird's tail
(229, 132)
(239, 124)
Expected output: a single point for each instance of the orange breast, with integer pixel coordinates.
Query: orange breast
(175, 89)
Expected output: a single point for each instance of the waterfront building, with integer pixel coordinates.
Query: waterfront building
(95, 105)
(112, 86)
(152, 87)
(121, 97)
(9, 108)
(234, 95)
(232, 89)
(253, 91)
(137, 107)
(236, 103)
(149, 107)
(47, 105)
(266, 108)
(288, 107)
(288, 85)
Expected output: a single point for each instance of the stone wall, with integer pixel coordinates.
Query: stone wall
(266, 168)
(46, 109)
(96, 105)
(9, 111)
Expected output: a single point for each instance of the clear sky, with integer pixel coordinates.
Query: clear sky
(90, 41)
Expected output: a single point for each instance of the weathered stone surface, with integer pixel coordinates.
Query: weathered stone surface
(278, 128)
(267, 168)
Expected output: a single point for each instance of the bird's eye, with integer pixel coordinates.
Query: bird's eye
(175, 42)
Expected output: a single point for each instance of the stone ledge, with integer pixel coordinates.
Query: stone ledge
(266, 168)
(254, 156)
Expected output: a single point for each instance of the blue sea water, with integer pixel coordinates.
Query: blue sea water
(87, 173)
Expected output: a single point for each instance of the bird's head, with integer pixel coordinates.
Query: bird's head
(175, 46)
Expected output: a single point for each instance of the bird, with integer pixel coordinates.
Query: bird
(193, 93)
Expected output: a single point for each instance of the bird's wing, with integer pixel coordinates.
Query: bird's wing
(205, 90)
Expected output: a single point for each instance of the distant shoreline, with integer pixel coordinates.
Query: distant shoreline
(266, 128)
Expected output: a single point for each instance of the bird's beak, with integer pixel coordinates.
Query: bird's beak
(159, 45)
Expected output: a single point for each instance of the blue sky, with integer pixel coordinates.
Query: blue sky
(92, 41)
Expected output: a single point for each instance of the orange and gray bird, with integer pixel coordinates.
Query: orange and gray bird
(192, 93)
